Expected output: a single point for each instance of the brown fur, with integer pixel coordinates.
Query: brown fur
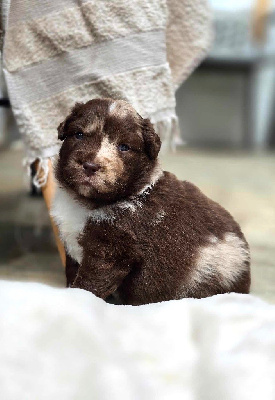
(155, 246)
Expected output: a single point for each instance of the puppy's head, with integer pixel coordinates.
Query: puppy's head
(108, 152)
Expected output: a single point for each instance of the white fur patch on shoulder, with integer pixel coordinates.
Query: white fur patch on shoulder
(226, 257)
(70, 217)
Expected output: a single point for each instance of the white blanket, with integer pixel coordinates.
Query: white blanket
(67, 344)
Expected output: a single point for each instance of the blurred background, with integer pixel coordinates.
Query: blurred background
(226, 113)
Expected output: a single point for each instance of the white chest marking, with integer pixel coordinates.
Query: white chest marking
(70, 217)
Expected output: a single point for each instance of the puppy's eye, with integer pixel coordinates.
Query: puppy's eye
(79, 135)
(123, 147)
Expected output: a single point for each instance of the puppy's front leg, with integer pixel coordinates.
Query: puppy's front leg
(71, 270)
(101, 277)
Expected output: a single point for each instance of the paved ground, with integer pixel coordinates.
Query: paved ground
(243, 183)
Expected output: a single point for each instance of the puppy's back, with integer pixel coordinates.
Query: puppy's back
(191, 246)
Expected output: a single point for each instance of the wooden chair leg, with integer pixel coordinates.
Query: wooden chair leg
(261, 9)
(48, 191)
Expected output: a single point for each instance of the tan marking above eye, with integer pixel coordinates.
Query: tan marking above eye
(94, 125)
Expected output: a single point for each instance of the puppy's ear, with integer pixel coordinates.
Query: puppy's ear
(152, 141)
(62, 127)
(61, 130)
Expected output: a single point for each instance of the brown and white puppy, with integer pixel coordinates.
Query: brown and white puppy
(131, 230)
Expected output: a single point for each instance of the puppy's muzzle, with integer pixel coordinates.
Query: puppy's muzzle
(90, 168)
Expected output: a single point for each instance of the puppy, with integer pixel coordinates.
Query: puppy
(131, 231)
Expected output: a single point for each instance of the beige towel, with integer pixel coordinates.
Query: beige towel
(59, 52)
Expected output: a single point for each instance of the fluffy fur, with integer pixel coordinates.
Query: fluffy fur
(133, 233)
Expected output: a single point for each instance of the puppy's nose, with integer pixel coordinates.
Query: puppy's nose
(90, 168)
